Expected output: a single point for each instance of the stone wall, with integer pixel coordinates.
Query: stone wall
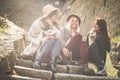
(88, 10)
(10, 39)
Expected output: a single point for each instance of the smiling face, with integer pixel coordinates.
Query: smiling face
(96, 27)
(74, 22)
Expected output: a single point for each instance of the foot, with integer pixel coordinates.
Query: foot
(101, 73)
(53, 69)
(61, 63)
(36, 65)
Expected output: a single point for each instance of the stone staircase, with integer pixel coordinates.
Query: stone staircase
(23, 71)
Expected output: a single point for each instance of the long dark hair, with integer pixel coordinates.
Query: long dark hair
(104, 32)
(102, 26)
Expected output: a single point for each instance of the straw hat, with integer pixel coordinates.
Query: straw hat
(48, 9)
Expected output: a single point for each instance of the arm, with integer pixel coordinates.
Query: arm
(35, 32)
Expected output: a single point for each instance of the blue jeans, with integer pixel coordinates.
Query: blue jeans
(51, 47)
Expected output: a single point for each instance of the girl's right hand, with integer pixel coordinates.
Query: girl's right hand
(65, 52)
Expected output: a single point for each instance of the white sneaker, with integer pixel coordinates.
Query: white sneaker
(36, 64)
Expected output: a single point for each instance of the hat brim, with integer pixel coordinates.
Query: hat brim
(45, 15)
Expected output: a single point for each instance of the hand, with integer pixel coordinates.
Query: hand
(66, 52)
(51, 36)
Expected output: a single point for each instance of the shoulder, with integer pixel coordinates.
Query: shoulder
(36, 22)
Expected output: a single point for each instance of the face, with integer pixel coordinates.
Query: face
(74, 22)
(96, 27)
(54, 18)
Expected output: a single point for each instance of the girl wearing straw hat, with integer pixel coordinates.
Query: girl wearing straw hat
(43, 38)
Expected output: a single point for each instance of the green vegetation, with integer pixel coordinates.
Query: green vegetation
(115, 39)
(3, 28)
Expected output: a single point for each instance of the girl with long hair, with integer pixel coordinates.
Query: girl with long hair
(98, 49)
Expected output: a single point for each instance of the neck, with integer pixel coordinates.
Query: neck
(73, 31)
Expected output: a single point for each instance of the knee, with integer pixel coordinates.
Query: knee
(78, 37)
(51, 40)
(58, 41)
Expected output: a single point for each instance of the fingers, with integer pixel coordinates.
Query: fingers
(51, 37)
(65, 52)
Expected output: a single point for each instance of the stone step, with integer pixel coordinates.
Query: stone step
(64, 76)
(75, 69)
(72, 69)
(17, 77)
(24, 63)
(35, 73)
(28, 63)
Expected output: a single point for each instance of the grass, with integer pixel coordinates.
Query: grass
(115, 39)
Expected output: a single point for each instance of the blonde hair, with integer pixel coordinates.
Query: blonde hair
(68, 25)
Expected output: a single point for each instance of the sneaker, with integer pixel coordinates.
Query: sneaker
(53, 68)
(36, 65)
(101, 73)
(61, 63)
